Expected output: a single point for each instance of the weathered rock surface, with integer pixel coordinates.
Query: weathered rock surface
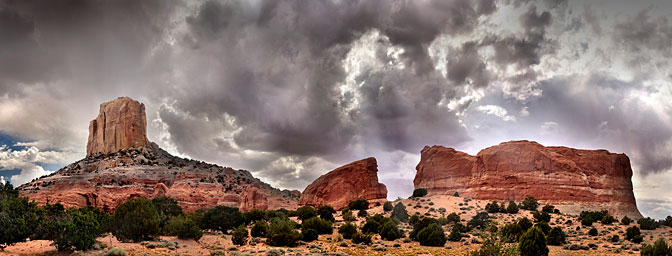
(572, 179)
(337, 188)
(118, 167)
(121, 124)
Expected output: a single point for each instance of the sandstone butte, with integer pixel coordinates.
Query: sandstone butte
(352, 181)
(121, 164)
(571, 179)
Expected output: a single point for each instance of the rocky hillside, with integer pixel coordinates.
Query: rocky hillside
(572, 179)
(117, 169)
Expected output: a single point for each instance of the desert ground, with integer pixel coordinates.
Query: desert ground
(213, 243)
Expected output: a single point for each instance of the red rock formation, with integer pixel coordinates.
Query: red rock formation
(121, 124)
(121, 165)
(572, 179)
(337, 188)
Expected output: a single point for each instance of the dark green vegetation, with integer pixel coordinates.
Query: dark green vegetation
(419, 192)
(659, 248)
(533, 243)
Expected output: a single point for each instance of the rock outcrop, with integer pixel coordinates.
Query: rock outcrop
(121, 124)
(571, 179)
(337, 188)
(119, 166)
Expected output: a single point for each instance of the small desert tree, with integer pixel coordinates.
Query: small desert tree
(533, 243)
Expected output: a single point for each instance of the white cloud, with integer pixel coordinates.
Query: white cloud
(28, 159)
(497, 111)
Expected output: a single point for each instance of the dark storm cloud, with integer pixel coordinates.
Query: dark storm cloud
(526, 50)
(644, 32)
(467, 63)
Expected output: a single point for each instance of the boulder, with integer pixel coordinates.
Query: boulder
(571, 179)
(352, 181)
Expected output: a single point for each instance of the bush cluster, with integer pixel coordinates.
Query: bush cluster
(428, 232)
(588, 217)
(529, 204)
(399, 212)
(419, 192)
(648, 223)
(533, 243)
(659, 248)
(359, 204)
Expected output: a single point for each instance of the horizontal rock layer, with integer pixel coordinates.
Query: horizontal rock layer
(572, 179)
(337, 188)
(109, 180)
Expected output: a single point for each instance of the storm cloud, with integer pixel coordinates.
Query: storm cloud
(291, 89)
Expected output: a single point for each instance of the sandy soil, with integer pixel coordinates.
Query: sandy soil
(327, 243)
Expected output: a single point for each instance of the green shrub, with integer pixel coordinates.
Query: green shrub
(530, 204)
(414, 219)
(541, 217)
(317, 224)
(608, 219)
(79, 232)
(347, 216)
(309, 235)
(306, 212)
(648, 223)
(480, 220)
(631, 232)
(136, 220)
(626, 221)
(637, 239)
(420, 225)
(419, 192)
(167, 208)
(362, 214)
(239, 236)
(432, 235)
(533, 243)
(387, 206)
(592, 232)
(347, 230)
(453, 217)
(359, 238)
(259, 229)
(223, 218)
(588, 217)
(371, 226)
(667, 221)
(456, 232)
(659, 248)
(18, 216)
(525, 223)
(326, 213)
(399, 212)
(511, 232)
(282, 233)
(492, 207)
(512, 208)
(556, 236)
(389, 231)
(254, 215)
(615, 239)
(456, 194)
(184, 228)
(359, 204)
(548, 208)
(544, 227)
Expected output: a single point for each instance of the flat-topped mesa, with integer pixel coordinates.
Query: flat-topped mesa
(121, 124)
(352, 181)
(571, 179)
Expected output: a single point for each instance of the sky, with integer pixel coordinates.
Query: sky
(292, 89)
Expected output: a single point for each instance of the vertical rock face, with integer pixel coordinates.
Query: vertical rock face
(572, 179)
(121, 124)
(337, 188)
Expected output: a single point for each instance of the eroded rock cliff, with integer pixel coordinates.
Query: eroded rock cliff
(572, 179)
(121, 124)
(337, 188)
(121, 164)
